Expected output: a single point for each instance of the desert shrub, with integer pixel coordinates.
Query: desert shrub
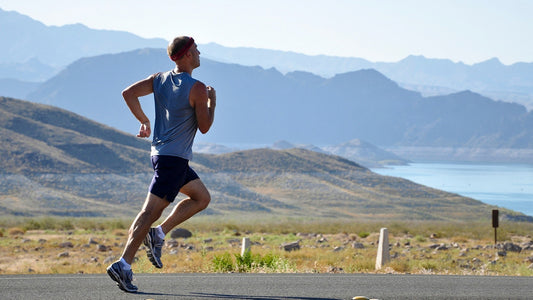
(400, 266)
(428, 265)
(16, 231)
(41, 223)
(249, 263)
(223, 263)
(118, 224)
(420, 239)
(363, 234)
(243, 263)
(362, 265)
(65, 224)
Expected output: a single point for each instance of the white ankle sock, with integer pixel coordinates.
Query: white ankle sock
(160, 232)
(124, 264)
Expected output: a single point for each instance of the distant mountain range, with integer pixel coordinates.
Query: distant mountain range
(58, 163)
(31, 48)
(259, 106)
(356, 150)
(366, 154)
(60, 46)
(428, 76)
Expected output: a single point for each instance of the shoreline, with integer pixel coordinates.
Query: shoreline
(505, 185)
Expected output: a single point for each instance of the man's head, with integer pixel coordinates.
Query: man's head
(178, 47)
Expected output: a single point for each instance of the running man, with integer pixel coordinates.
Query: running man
(182, 106)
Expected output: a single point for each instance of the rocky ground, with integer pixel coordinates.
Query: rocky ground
(90, 252)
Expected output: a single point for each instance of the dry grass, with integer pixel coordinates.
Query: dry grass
(325, 246)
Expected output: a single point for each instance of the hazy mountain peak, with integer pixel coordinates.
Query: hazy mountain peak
(364, 77)
(422, 62)
(490, 63)
(414, 58)
(61, 45)
(11, 16)
(363, 73)
(282, 145)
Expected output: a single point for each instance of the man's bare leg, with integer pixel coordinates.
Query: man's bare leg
(198, 200)
(152, 209)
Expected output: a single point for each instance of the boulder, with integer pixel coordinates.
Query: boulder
(102, 248)
(180, 233)
(66, 245)
(434, 246)
(441, 247)
(512, 247)
(291, 246)
(357, 245)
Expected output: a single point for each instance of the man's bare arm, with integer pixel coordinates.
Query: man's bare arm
(204, 101)
(131, 95)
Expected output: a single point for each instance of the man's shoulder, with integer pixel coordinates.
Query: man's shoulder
(159, 77)
(199, 85)
(162, 74)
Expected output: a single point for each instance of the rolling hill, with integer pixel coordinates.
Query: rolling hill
(44, 139)
(55, 162)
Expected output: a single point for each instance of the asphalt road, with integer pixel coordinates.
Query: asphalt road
(267, 286)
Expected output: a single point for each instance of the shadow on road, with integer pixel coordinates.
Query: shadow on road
(226, 296)
(157, 294)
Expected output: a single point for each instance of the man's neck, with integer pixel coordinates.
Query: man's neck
(183, 69)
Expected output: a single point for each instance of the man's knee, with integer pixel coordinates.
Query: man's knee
(204, 200)
(202, 197)
(197, 192)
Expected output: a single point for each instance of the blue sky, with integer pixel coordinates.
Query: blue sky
(470, 31)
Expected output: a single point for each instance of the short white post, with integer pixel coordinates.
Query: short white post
(383, 256)
(245, 246)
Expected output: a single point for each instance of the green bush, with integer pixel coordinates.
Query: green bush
(249, 263)
(363, 234)
(223, 263)
(420, 239)
(244, 262)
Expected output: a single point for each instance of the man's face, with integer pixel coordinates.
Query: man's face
(195, 55)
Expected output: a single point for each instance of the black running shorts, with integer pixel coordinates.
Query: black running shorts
(171, 173)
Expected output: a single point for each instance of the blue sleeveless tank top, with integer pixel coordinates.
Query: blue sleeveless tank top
(175, 120)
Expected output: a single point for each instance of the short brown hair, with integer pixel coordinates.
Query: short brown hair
(179, 46)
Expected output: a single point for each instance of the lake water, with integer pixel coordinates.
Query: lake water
(504, 185)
